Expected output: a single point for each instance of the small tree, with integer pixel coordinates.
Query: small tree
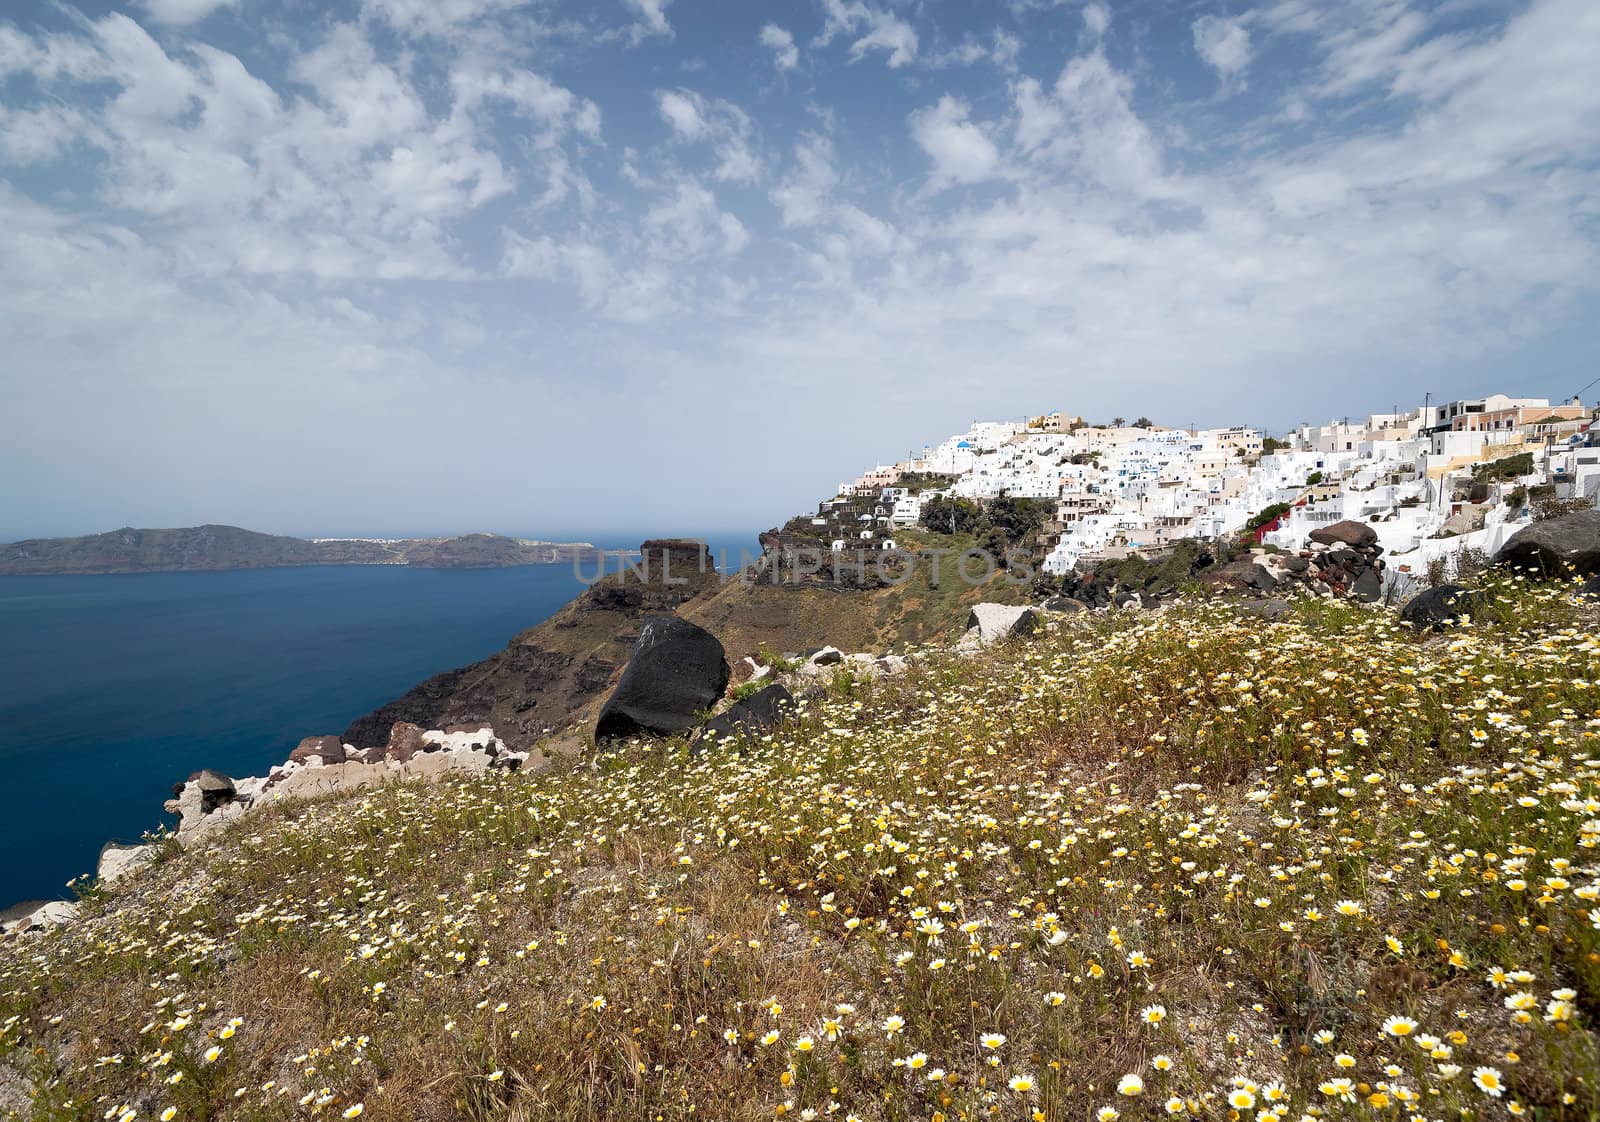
(1018, 518)
(944, 515)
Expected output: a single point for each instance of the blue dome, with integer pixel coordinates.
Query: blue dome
(963, 444)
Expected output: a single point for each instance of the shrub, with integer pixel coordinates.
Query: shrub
(1507, 467)
(769, 655)
(748, 689)
(1261, 518)
(944, 515)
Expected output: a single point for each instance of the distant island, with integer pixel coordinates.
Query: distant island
(211, 548)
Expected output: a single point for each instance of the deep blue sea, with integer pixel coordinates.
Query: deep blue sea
(113, 688)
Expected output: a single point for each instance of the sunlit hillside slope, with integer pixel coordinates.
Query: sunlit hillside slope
(1146, 865)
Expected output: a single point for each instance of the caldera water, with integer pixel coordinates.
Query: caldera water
(113, 688)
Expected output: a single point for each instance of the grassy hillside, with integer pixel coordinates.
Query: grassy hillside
(1148, 865)
(925, 607)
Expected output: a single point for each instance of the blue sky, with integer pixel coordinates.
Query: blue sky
(397, 266)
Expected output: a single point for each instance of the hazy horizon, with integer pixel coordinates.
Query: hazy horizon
(523, 265)
(612, 538)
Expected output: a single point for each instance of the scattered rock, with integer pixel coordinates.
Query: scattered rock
(827, 656)
(37, 915)
(1065, 605)
(215, 789)
(677, 671)
(405, 741)
(1436, 607)
(1368, 587)
(323, 749)
(1256, 577)
(747, 669)
(1269, 610)
(757, 713)
(203, 794)
(1357, 535)
(994, 623)
(1556, 547)
(1243, 575)
(117, 861)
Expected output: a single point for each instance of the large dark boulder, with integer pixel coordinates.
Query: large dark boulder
(1436, 607)
(1368, 587)
(677, 671)
(757, 713)
(1257, 577)
(1556, 547)
(1356, 535)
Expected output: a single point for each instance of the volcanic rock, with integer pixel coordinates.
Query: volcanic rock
(324, 749)
(1436, 607)
(1357, 535)
(677, 671)
(756, 713)
(1556, 547)
(992, 623)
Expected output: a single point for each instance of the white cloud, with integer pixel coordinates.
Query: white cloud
(1224, 44)
(873, 29)
(1086, 125)
(694, 117)
(891, 35)
(687, 223)
(345, 172)
(180, 13)
(803, 196)
(682, 112)
(533, 95)
(1001, 49)
(1096, 19)
(652, 17)
(960, 150)
(785, 55)
(187, 220)
(435, 17)
(1368, 49)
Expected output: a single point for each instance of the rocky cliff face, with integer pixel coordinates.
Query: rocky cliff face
(550, 680)
(551, 675)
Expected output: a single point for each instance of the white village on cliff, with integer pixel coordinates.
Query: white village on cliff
(1431, 482)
